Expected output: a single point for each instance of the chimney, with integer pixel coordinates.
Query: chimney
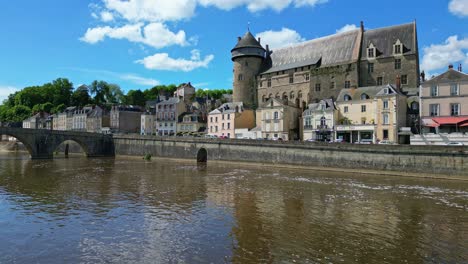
(423, 76)
(398, 82)
(362, 26)
(259, 40)
(239, 39)
(450, 67)
(460, 68)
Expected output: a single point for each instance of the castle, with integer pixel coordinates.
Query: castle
(318, 69)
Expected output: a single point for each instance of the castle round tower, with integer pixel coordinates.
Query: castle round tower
(248, 56)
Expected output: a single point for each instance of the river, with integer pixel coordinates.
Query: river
(127, 210)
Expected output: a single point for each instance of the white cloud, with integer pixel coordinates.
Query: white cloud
(156, 35)
(162, 61)
(282, 38)
(139, 80)
(347, 27)
(152, 10)
(107, 16)
(438, 56)
(258, 5)
(5, 91)
(459, 7)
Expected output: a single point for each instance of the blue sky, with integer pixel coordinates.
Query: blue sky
(139, 43)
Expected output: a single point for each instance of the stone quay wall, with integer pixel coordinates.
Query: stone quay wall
(444, 161)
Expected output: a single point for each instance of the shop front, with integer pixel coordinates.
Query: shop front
(356, 133)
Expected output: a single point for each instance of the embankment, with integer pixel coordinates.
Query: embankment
(435, 160)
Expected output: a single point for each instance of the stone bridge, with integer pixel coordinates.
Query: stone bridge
(42, 143)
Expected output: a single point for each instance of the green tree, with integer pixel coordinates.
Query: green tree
(135, 97)
(81, 97)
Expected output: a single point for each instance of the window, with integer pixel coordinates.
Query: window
(216, 128)
(363, 108)
(323, 122)
(454, 109)
(385, 104)
(222, 127)
(261, 84)
(240, 77)
(276, 115)
(385, 134)
(434, 90)
(404, 79)
(370, 67)
(228, 125)
(291, 78)
(397, 49)
(211, 119)
(364, 96)
(371, 52)
(269, 82)
(397, 64)
(415, 106)
(317, 87)
(385, 119)
(229, 135)
(434, 109)
(347, 97)
(454, 89)
(332, 85)
(229, 116)
(216, 119)
(307, 77)
(379, 80)
(347, 84)
(346, 109)
(222, 117)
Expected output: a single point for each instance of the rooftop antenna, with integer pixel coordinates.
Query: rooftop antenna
(248, 26)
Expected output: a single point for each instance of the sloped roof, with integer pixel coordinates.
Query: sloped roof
(248, 41)
(327, 51)
(329, 105)
(449, 76)
(384, 39)
(228, 108)
(371, 91)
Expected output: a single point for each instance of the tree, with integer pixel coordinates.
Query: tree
(99, 89)
(18, 113)
(114, 94)
(81, 97)
(135, 97)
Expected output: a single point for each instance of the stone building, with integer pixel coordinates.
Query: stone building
(37, 121)
(186, 92)
(125, 119)
(148, 123)
(193, 121)
(318, 69)
(279, 119)
(167, 114)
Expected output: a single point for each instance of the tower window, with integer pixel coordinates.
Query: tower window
(291, 78)
(332, 85)
(269, 82)
(379, 80)
(347, 84)
(404, 79)
(240, 77)
(317, 87)
(370, 67)
(307, 77)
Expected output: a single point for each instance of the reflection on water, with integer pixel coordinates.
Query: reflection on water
(127, 210)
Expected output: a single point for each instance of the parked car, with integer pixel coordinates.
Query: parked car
(455, 144)
(310, 140)
(365, 141)
(223, 137)
(276, 139)
(210, 136)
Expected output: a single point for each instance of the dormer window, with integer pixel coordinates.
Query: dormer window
(364, 96)
(398, 48)
(371, 51)
(347, 97)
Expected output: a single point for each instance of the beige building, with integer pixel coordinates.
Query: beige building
(370, 114)
(444, 103)
(97, 120)
(279, 119)
(167, 114)
(148, 124)
(37, 121)
(191, 122)
(185, 92)
(223, 121)
(319, 121)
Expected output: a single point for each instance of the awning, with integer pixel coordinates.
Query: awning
(464, 125)
(429, 123)
(450, 120)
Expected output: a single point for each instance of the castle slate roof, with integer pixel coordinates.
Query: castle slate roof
(449, 76)
(328, 103)
(384, 38)
(248, 41)
(327, 51)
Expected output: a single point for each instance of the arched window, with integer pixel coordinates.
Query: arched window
(276, 116)
(347, 97)
(364, 96)
(277, 96)
(270, 96)
(414, 106)
(285, 96)
(323, 121)
(299, 94)
(263, 98)
(291, 95)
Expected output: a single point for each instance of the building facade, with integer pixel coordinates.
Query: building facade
(319, 121)
(279, 119)
(125, 119)
(167, 114)
(192, 122)
(223, 121)
(444, 103)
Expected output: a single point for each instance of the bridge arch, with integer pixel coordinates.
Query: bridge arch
(202, 155)
(27, 144)
(83, 146)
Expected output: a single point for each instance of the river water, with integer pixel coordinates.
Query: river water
(127, 210)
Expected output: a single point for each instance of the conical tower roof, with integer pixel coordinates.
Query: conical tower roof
(248, 41)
